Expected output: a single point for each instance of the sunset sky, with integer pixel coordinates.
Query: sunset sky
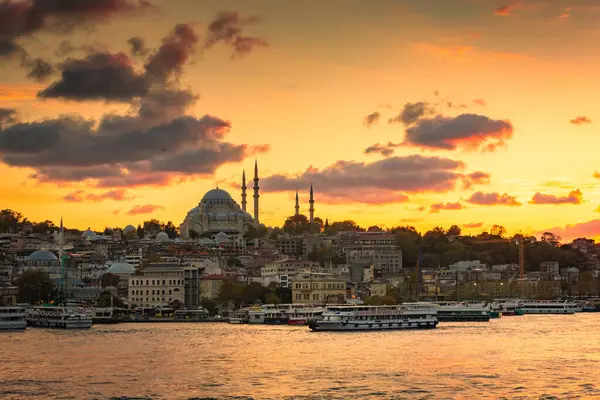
(414, 112)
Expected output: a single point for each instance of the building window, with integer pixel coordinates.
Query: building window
(163, 292)
(169, 293)
(306, 296)
(163, 281)
(298, 296)
(153, 282)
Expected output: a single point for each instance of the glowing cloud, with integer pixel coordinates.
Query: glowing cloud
(574, 197)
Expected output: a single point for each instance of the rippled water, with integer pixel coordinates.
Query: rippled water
(511, 357)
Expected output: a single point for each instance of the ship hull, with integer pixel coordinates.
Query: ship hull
(324, 326)
(82, 324)
(13, 325)
(463, 318)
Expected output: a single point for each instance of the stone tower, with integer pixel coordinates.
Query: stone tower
(244, 187)
(312, 205)
(297, 204)
(256, 195)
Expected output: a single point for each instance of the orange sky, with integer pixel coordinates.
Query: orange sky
(531, 66)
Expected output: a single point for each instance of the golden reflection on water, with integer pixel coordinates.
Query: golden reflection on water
(510, 357)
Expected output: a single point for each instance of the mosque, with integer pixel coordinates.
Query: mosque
(217, 212)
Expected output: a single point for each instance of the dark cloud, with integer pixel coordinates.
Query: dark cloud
(79, 196)
(137, 46)
(227, 27)
(100, 76)
(473, 225)
(493, 199)
(394, 176)
(476, 178)
(385, 150)
(8, 116)
(412, 112)
(372, 119)
(574, 197)
(467, 131)
(38, 69)
(581, 120)
(173, 53)
(437, 207)
(19, 19)
(451, 104)
(144, 209)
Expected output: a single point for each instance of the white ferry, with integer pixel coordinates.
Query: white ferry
(550, 307)
(240, 317)
(366, 318)
(305, 314)
(269, 314)
(59, 317)
(459, 312)
(508, 307)
(12, 318)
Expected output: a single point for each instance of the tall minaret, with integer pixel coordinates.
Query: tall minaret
(256, 195)
(244, 187)
(312, 204)
(297, 204)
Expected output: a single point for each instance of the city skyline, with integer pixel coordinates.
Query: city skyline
(473, 113)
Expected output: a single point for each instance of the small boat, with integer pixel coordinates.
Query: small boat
(109, 315)
(508, 307)
(462, 312)
(12, 318)
(369, 318)
(589, 306)
(60, 317)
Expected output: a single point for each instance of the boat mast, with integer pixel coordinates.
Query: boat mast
(61, 255)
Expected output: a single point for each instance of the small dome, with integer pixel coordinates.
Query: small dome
(162, 237)
(42, 255)
(88, 233)
(129, 228)
(121, 268)
(216, 194)
(221, 238)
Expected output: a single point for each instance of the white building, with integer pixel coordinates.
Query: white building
(159, 285)
(549, 268)
(282, 271)
(467, 265)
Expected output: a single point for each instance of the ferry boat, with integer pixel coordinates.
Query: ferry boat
(269, 314)
(550, 307)
(508, 307)
(302, 316)
(240, 317)
(590, 306)
(59, 317)
(12, 318)
(460, 312)
(367, 318)
(109, 315)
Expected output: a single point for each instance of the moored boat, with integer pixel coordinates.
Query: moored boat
(550, 307)
(302, 316)
(240, 317)
(59, 317)
(367, 318)
(12, 318)
(462, 312)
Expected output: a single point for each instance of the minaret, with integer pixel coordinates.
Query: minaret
(256, 195)
(244, 187)
(297, 204)
(312, 205)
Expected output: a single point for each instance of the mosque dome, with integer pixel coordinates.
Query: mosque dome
(121, 268)
(162, 237)
(129, 228)
(88, 233)
(42, 255)
(216, 194)
(221, 238)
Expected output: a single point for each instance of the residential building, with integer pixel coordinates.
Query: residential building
(318, 288)
(282, 271)
(550, 268)
(159, 284)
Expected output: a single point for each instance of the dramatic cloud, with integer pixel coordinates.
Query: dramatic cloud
(21, 19)
(493, 199)
(100, 76)
(412, 112)
(372, 118)
(574, 197)
(137, 46)
(7, 116)
(473, 225)
(144, 209)
(81, 196)
(589, 229)
(580, 120)
(173, 53)
(467, 131)
(394, 176)
(436, 208)
(385, 150)
(227, 27)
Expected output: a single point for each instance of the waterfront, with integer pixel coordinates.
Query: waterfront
(510, 357)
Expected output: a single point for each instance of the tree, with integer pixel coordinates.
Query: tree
(43, 227)
(272, 298)
(253, 292)
(317, 225)
(140, 232)
(10, 220)
(34, 286)
(171, 230)
(388, 300)
(343, 226)
(104, 300)
(498, 230)
(152, 227)
(109, 279)
(284, 294)
(256, 232)
(408, 239)
(193, 234)
(374, 228)
(550, 238)
(231, 292)
(209, 304)
(175, 305)
(454, 230)
(373, 301)
(107, 231)
(234, 262)
(296, 225)
(325, 255)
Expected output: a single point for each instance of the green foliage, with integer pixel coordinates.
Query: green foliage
(140, 232)
(234, 262)
(272, 298)
(326, 254)
(256, 232)
(34, 286)
(105, 301)
(380, 300)
(175, 305)
(296, 225)
(342, 226)
(171, 230)
(210, 305)
(152, 227)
